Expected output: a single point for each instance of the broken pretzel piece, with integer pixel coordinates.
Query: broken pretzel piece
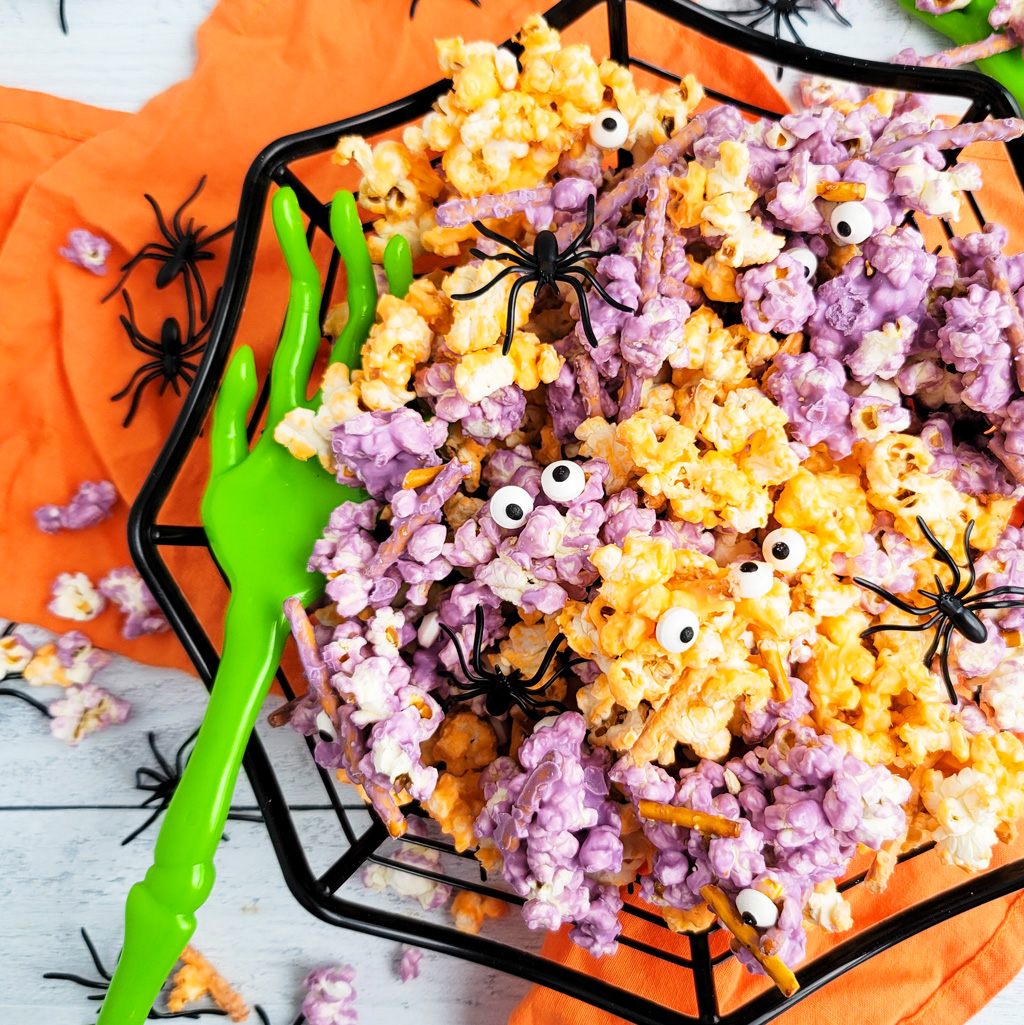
(709, 825)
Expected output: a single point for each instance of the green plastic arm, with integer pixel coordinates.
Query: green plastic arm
(970, 25)
(262, 511)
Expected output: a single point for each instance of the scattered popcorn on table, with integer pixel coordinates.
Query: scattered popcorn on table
(15, 654)
(409, 968)
(90, 505)
(83, 710)
(74, 597)
(329, 998)
(127, 590)
(86, 250)
(195, 979)
(605, 611)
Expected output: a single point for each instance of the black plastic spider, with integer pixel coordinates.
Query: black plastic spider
(416, 3)
(548, 266)
(951, 610)
(505, 689)
(161, 783)
(185, 248)
(63, 17)
(263, 1017)
(173, 355)
(783, 12)
(10, 692)
(103, 984)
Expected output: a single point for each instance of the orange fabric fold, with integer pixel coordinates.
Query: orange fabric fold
(267, 68)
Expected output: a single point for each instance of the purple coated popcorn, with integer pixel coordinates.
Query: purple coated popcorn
(381, 447)
(83, 710)
(81, 661)
(330, 996)
(89, 506)
(809, 390)
(409, 968)
(86, 250)
(128, 591)
(496, 416)
(776, 296)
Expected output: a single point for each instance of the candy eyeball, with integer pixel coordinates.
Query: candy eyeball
(851, 223)
(563, 481)
(785, 549)
(778, 137)
(757, 909)
(325, 728)
(806, 259)
(677, 629)
(510, 506)
(429, 629)
(609, 129)
(751, 579)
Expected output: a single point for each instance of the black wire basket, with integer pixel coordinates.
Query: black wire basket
(361, 838)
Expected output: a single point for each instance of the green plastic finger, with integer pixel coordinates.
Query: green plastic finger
(228, 444)
(300, 336)
(398, 266)
(970, 25)
(362, 287)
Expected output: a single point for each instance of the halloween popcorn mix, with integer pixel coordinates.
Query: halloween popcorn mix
(713, 583)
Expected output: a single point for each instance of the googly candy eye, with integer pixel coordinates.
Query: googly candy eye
(326, 728)
(785, 549)
(510, 506)
(609, 130)
(751, 579)
(677, 629)
(563, 481)
(806, 259)
(851, 222)
(757, 909)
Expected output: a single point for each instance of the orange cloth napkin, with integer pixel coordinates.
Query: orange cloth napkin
(266, 68)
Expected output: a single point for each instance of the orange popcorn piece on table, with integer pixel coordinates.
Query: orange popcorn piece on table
(196, 978)
(470, 910)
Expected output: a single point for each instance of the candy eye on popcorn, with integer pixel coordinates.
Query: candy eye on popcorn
(785, 549)
(677, 629)
(757, 909)
(851, 223)
(510, 506)
(609, 129)
(563, 481)
(806, 259)
(751, 579)
(326, 728)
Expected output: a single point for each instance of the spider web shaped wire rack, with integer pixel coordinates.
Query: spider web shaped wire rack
(359, 844)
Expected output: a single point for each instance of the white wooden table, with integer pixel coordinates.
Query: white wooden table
(64, 812)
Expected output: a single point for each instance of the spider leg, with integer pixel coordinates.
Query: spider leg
(835, 10)
(160, 253)
(495, 237)
(490, 284)
(466, 671)
(562, 670)
(182, 755)
(528, 705)
(138, 341)
(1009, 603)
(95, 956)
(164, 764)
(176, 220)
(583, 237)
(893, 600)
(161, 224)
(941, 553)
(943, 631)
(145, 825)
(216, 235)
(588, 329)
(584, 273)
(68, 977)
(510, 324)
(62, 12)
(151, 376)
(970, 562)
(127, 388)
(511, 257)
(545, 662)
(895, 626)
(789, 25)
(478, 640)
(946, 678)
(761, 17)
(157, 796)
(190, 267)
(995, 592)
(584, 254)
(146, 773)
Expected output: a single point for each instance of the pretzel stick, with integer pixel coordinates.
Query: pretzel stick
(653, 240)
(709, 825)
(659, 724)
(771, 659)
(842, 192)
(748, 936)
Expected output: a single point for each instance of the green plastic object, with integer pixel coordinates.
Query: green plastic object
(262, 511)
(970, 25)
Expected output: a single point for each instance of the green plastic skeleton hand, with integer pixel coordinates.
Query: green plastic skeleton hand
(262, 510)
